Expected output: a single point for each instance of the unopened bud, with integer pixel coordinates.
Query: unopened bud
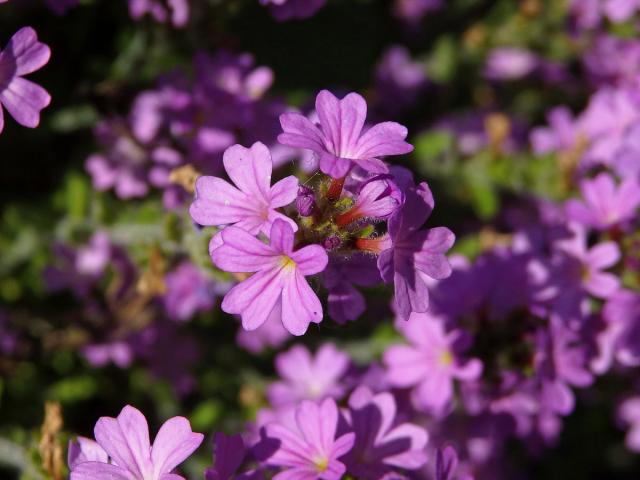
(305, 201)
(332, 242)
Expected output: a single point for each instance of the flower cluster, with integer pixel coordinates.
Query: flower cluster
(358, 209)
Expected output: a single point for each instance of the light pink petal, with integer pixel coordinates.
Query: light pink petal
(415, 456)
(603, 255)
(300, 305)
(219, 203)
(311, 259)
(602, 285)
(284, 192)
(100, 471)
(174, 443)
(294, 365)
(328, 110)
(126, 440)
(29, 54)
(250, 169)
(85, 450)
(318, 423)
(387, 138)
(333, 166)
(300, 132)
(406, 365)
(24, 100)
(343, 445)
(254, 298)
(469, 371)
(272, 217)
(579, 212)
(281, 237)
(372, 165)
(435, 392)
(242, 252)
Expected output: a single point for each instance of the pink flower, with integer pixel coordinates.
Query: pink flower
(22, 98)
(311, 450)
(308, 378)
(431, 363)
(251, 204)
(605, 205)
(340, 141)
(125, 440)
(279, 276)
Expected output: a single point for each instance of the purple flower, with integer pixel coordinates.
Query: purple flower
(23, 99)
(605, 205)
(85, 450)
(431, 363)
(161, 10)
(293, 9)
(188, 291)
(620, 10)
(340, 141)
(252, 205)
(410, 256)
(621, 338)
(613, 61)
(125, 440)
(629, 414)
(413, 11)
(381, 442)
(447, 465)
(270, 334)
(311, 450)
(308, 378)
(378, 199)
(510, 64)
(279, 277)
(560, 136)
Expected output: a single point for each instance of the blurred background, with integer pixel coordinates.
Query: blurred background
(98, 251)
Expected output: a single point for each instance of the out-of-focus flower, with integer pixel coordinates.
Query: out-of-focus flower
(252, 205)
(175, 11)
(413, 11)
(605, 204)
(188, 291)
(293, 9)
(24, 100)
(510, 64)
(340, 140)
(279, 278)
(125, 440)
(311, 450)
(382, 443)
(60, 7)
(431, 363)
(629, 414)
(308, 378)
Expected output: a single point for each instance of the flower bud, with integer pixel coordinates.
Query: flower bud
(305, 202)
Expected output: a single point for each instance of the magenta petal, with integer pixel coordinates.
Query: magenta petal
(250, 169)
(311, 259)
(284, 192)
(99, 471)
(385, 138)
(281, 237)
(219, 203)
(24, 100)
(300, 132)
(24, 49)
(333, 166)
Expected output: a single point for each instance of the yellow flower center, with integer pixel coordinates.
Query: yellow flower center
(288, 263)
(321, 463)
(446, 358)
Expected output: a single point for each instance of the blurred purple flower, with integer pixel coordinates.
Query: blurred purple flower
(605, 204)
(510, 64)
(229, 454)
(308, 378)
(431, 363)
(60, 7)
(188, 292)
(177, 11)
(629, 414)
(293, 9)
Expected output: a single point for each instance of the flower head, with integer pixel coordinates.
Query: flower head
(279, 276)
(310, 450)
(340, 141)
(125, 441)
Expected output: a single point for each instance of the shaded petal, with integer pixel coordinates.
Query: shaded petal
(284, 192)
(281, 237)
(219, 203)
(406, 366)
(603, 255)
(100, 471)
(300, 132)
(255, 298)
(333, 166)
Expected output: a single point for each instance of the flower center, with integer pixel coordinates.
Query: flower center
(288, 263)
(321, 463)
(445, 358)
